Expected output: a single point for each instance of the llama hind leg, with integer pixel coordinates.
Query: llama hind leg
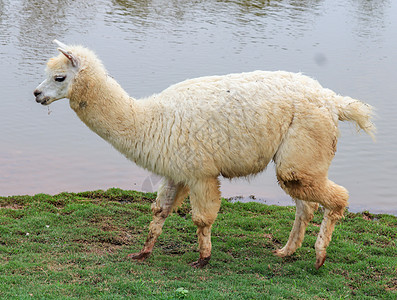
(169, 196)
(324, 237)
(205, 201)
(331, 216)
(303, 215)
(302, 163)
(323, 191)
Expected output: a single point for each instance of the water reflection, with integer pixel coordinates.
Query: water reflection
(35, 22)
(32, 24)
(370, 17)
(255, 19)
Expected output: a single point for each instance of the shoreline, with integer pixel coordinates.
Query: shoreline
(282, 202)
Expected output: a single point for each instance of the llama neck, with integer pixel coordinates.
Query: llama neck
(107, 110)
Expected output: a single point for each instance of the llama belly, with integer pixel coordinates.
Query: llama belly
(242, 168)
(232, 157)
(246, 156)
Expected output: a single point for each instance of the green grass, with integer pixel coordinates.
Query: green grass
(76, 246)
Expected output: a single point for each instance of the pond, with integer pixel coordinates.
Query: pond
(350, 46)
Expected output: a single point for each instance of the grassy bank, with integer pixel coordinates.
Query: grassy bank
(76, 245)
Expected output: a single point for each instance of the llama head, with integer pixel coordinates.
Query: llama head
(60, 72)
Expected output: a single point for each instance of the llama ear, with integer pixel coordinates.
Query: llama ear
(73, 59)
(60, 45)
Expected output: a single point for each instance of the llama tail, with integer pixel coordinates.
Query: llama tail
(354, 110)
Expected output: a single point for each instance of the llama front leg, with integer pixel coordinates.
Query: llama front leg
(205, 246)
(303, 215)
(205, 201)
(168, 196)
(155, 229)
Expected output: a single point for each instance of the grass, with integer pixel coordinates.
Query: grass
(76, 245)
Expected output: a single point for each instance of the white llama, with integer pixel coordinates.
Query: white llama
(199, 129)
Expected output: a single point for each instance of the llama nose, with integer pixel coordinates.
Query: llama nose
(36, 93)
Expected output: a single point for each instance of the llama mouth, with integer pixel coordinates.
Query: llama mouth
(43, 101)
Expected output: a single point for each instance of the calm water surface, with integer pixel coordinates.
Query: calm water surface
(350, 46)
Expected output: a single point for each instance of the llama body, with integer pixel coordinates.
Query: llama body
(199, 129)
(182, 138)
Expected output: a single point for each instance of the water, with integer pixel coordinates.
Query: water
(349, 46)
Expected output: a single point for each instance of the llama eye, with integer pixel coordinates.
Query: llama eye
(59, 78)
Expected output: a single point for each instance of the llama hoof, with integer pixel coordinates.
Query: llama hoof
(280, 253)
(320, 261)
(141, 256)
(201, 263)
